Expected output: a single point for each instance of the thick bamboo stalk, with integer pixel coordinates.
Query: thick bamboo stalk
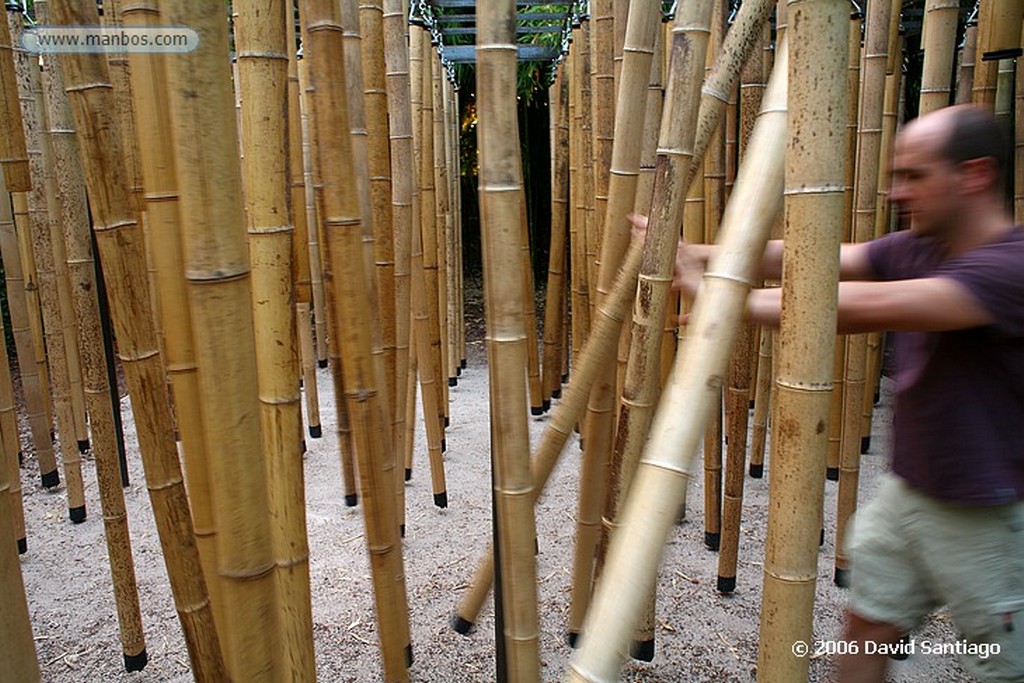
(456, 316)
(652, 508)
(968, 53)
(219, 283)
(871, 105)
(442, 207)
(596, 472)
(261, 37)
(938, 34)
(998, 30)
(42, 219)
(351, 292)
(603, 108)
(13, 154)
(1018, 166)
(17, 647)
(814, 190)
(501, 209)
(9, 440)
(558, 110)
(581, 254)
(1003, 107)
(122, 252)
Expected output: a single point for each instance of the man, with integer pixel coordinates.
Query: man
(947, 526)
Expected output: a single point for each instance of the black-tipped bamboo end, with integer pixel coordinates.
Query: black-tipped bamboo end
(453, 381)
(53, 436)
(177, 435)
(136, 662)
(51, 480)
(900, 652)
(458, 371)
(447, 422)
(841, 578)
(77, 515)
(462, 363)
(557, 393)
(581, 444)
(832, 473)
(444, 445)
(351, 499)
(408, 656)
(750, 404)
(408, 474)
(565, 379)
(461, 626)
(441, 499)
(877, 398)
(21, 458)
(642, 650)
(865, 444)
(726, 584)
(546, 405)
(572, 638)
(322, 363)
(22, 546)
(712, 540)
(83, 446)
(315, 431)
(304, 449)
(401, 531)
(821, 538)
(756, 471)
(536, 410)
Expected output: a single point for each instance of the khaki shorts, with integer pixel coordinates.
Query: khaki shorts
(911, 554)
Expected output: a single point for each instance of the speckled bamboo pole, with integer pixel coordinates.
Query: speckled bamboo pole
(967, 55)
(9, 440)
(558, 110)
(814, 191)
(121, 249)
(998, 30)
(938, 35)
(17, 647)
(443, 211)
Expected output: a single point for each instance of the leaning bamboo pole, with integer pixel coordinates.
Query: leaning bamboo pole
(261, 37)
(42, 206)
(219, 284)
(9, 440)
(599, 424)
(501, 200)
(17, 647)
(558, 110)
(938, 36)
(119, 238)
(351, 293)
(14, 158)
(815, 196)
(871, 104)
(651, 510)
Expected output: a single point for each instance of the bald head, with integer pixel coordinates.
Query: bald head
(963, 133)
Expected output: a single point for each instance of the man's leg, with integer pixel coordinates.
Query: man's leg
(862, 667)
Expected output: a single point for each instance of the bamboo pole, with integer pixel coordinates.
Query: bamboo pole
(442, 207)
(261, 37)
(219, 284)
(9, 441)
(968, 53)
(501, 209)
(599, 425)
(17, 647)
(581, 254)
(815, 195)
(314, 211)
(938, 37)
(603, 102)
(122, 252)
(651, 510)
(351, 293)
(558, 110)
(871, 104)
(1003, 107)
(1018, 183)
(998, 30)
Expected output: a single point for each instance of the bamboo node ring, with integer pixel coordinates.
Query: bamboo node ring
(259, 54)
(806, 387)
(729, 277)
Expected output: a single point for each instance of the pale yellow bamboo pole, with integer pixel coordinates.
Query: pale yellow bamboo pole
(351, 293)
(599, 424)
(603, 104)
(588, 198)
(938, 37)
(121, 249)
(998, 22)
(871, 104)
(42, 215)
(581, 186)
(261, 37)
(501, 209)
(968, 53)
(652, 126)
(814, 190)
(9, 440)
(456, 316)
(535, 390)
(558, 110)
(17, 647)
(652, 508)
(13, 155)
(219, 283)
(442, 207)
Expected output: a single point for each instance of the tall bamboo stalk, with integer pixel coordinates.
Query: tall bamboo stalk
(581, 261)
(261, 37)
(599, 425)
(122, 252)
(501, 210)
(1018, 166)
(998, 30)
(9, 440)
(938, 37)
(219, 283)
(351, 294)
(17, 647)
(652, 508)
(314, 211)
(871, 104)
(442, 208)
(965, 77)
(558, 110)
(603, 102)
(815, 195)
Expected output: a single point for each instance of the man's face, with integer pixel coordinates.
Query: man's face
(925, 185)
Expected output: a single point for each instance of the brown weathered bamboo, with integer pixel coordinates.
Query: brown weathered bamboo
(967, 55)
(1003, 106)
(17, 647)
(456, 315)
(442, 208)
(603, 104)
(501, 209)
(652, 508)
(219, 283)
(938, 40)
(558, 110)
(9, 440)
(351, 292)
(121, 249)
(529, 303)
(13, 155)
(261, 37)
(998, 29)
(599, 424)
(580, 184)
(1018, 180)
(814, 190)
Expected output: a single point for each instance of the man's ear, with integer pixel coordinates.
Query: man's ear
(979, 175)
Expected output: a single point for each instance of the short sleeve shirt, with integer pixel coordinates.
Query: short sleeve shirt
(959, 413)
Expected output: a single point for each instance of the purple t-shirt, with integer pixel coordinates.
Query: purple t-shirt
(959, 413)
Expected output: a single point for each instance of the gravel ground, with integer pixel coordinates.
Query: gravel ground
(702, 636)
